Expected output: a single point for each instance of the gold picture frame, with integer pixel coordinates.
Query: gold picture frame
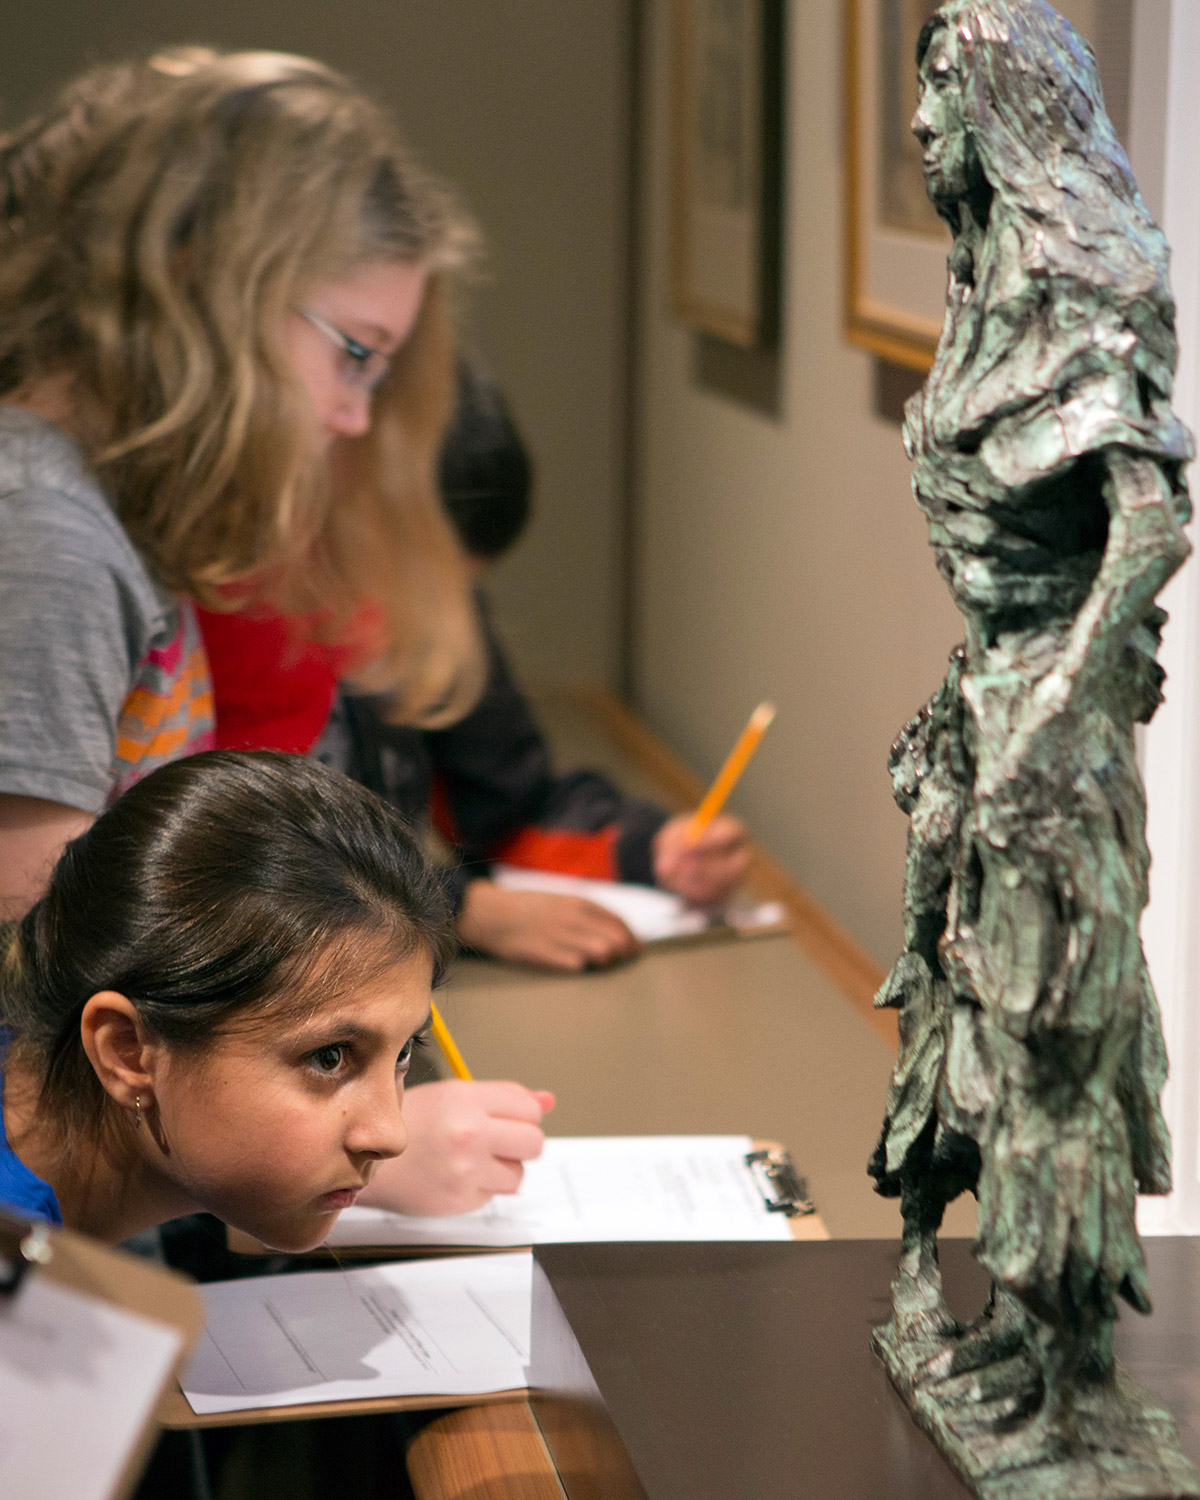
(726, 130)
(895, 244)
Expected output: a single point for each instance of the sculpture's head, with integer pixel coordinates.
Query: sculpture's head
(939, 123)
(1010, 89)
(1011, 119)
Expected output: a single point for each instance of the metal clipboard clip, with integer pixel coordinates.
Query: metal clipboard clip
(784, 1190)
(22, 1244)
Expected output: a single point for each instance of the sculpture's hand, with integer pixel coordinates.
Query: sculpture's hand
(1016, 727)
(1145, 546)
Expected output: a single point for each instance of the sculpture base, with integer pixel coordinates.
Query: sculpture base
(1122, 1445)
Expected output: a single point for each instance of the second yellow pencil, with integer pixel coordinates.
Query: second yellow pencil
(729, 774)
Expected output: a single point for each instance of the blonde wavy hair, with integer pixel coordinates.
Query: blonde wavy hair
(157, 227)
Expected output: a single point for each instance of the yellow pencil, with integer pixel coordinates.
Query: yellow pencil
(730, 772)
(441, 1035)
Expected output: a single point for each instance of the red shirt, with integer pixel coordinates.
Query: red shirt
(273, 689)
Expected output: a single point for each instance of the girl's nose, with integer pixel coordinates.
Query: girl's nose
(379, 1130)
(351, 417)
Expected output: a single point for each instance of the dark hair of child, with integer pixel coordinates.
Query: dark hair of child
(226, 888)
(484, 471)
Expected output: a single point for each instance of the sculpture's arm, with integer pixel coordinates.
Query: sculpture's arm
(1145, 546)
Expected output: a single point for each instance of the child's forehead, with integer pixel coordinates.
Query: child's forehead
(378, 1004)
(369, 998)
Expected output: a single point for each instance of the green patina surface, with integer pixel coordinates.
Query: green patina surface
(1048, 463)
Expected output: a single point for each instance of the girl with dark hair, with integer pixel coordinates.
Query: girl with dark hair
(214, 1004)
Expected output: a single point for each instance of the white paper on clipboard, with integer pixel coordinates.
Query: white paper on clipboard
(454, 1326)
(650, 914)
(79, 1379)
(588, 1188)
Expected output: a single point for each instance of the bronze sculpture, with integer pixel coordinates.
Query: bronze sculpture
(1048, 464)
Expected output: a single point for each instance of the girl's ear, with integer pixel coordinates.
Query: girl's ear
(118, 1049)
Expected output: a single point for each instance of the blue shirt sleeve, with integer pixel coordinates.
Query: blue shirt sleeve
(24, 1192)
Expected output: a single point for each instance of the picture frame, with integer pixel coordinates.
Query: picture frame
(726, 134)
(896, 246)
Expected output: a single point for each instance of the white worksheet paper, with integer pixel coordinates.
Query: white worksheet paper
(651, 1187)
(79, 1379)
(651, 915)
(455, 1326)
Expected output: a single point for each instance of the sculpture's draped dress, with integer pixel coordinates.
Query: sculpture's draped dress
(1028, 1023)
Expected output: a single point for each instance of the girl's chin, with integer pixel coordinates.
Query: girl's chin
(297, 1238)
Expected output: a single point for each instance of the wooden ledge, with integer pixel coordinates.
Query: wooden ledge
(483, 1453)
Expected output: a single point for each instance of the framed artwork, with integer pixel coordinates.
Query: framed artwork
(726, 103)
(896, 246)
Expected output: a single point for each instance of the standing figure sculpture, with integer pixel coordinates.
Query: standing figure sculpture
(1049, 466)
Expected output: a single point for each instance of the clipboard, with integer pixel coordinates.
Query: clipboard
(108, 1280)
(784, 1190)
(770, 1164)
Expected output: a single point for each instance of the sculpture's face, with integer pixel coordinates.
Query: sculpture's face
(938, 123)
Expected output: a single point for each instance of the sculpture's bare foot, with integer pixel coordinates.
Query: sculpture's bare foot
(1043, 1439)
(1001, 1333)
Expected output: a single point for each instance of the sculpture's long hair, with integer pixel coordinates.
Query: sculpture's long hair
(158, 224)
(1072, 265)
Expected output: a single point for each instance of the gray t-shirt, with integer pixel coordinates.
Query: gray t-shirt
(102, 672)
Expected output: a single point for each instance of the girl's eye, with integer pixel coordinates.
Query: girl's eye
(418, 1039)
(329, 1059)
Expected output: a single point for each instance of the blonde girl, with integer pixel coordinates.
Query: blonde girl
(222, 304)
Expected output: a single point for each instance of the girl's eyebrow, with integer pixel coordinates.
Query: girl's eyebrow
(379, 339)
(348, 1030)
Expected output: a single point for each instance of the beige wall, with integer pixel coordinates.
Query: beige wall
(524, 104)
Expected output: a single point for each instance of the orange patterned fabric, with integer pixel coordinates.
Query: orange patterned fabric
(168, 713)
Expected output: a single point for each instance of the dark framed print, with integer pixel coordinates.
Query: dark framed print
(726, 109)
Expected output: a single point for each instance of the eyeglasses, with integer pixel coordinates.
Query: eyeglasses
(365, 368)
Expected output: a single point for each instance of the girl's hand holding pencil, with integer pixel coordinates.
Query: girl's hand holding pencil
(467, 1141)
(703, 856)
(706, 870)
